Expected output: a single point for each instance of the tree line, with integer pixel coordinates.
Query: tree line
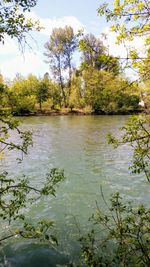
(97, 85)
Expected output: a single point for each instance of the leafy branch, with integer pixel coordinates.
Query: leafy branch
(16, 195)
(125, 235)
(137, 135)
(9, 124)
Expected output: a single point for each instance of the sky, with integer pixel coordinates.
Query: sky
(80, 14)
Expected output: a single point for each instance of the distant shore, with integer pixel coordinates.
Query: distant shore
(76, 112)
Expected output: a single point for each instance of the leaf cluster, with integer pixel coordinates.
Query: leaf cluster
(131, 17)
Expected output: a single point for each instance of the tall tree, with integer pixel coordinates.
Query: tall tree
(70, 42)
(94, 54)
(91, 47)
(59, 53)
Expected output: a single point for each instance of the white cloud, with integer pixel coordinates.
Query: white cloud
(11, 59)
(9, 47)
(121, 49)
(48, 24)
(28, 63)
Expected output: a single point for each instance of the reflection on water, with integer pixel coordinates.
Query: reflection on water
(77, 144)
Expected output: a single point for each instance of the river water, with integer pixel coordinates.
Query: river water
(78, 145)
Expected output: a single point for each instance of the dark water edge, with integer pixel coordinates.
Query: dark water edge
(24, 254)
(77, 112)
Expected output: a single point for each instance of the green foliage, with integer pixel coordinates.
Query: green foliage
(131, 18)
(92, 48)
(13, 21)
(59, 52)
(18, 194)
(126, 241)
(120, 235)
(136, 134)
(124, 238)
(26, 94)
(131, 21)
(3, 92)
(108, 94)
(103, 91)
(22, 105)
(21, 95)
(55, 95)
(77, 99)
(42, 91)
(145, 95)
(94, 54)
(9, 124)
(52, 179)
(144, 67)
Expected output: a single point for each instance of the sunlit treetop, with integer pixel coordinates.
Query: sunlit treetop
(131, 17)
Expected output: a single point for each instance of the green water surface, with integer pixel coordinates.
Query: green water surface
(78, 145)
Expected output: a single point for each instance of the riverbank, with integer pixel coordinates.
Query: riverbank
(68, 111)
(58, 113)
(78, 112)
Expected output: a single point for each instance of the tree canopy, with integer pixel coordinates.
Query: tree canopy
(94, 54)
